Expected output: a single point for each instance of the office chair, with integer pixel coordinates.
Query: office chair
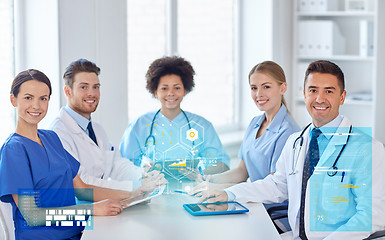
(278, 212)
(6, 222)
(376, 235)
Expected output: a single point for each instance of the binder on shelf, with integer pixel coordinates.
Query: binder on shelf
(317, 5)
(319, 38)
(303, 39)
(312, 5)
(326, 5)
(366, 38)
(303, 5)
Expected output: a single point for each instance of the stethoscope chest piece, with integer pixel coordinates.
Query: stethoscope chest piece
(332, 171)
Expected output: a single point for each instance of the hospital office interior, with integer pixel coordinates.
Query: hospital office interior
(223, 40)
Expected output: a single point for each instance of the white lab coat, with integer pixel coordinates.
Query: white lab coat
(100, 165)
(282, 186)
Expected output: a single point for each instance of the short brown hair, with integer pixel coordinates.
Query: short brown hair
(323, 66)
(28, 75)
(167, 66)
(77, 66)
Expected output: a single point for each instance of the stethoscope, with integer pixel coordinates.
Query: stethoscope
(152, 127)
(333, 169)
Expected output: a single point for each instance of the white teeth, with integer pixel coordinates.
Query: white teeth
(90, 101)
(34, 114)
(261, 102)
(320, 108)
(170, 100)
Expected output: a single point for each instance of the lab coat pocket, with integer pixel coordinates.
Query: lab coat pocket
(331, 202)
(108, 156)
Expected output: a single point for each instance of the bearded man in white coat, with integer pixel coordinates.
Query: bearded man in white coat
(331, 172)
(100, 163)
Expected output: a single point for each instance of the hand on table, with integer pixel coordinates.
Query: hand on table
(205, 187)
(214, 196)
(152, 181)
(107, 207)
(214, 207)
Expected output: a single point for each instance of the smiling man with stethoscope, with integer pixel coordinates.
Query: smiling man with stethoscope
(325, 171)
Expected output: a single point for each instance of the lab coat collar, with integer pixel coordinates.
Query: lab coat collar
(330, 128)
(73, 127)
(337, 139)
(79, 119)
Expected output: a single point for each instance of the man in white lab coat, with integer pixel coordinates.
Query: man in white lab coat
(331, 172)
(100, 163)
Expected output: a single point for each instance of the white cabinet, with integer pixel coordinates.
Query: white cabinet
(355, 41)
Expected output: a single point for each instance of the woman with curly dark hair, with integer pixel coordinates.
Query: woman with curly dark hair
(170, 133)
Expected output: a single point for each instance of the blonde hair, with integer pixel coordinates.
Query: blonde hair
(273, 70)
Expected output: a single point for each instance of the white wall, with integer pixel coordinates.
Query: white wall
(55, 32)
(97, 30)
(256, 46)
(37, 44)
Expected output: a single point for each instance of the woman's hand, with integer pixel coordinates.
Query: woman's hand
(152, 181)
(107, 207)
(205, 187)
(214, 196)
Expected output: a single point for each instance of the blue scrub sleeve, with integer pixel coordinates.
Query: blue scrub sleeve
(247, 132)
(130, 145)
(74, 164)
(15, 171)
(240, 153)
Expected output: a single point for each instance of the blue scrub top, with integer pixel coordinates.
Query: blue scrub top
(173, 139)
(261, 154)
(28, 168)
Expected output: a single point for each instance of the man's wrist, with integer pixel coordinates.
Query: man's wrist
(230, 195)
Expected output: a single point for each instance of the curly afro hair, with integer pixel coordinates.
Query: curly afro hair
(167, 66)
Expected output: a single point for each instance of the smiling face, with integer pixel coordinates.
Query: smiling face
(31, 102)
(170, 93)
(323, 97)
(266, 92)
(84, 95)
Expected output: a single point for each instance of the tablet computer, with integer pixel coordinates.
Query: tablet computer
(156, 193)
(202, 209)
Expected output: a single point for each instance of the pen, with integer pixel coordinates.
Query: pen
(343, 175)
(200, 170)
(180, 191)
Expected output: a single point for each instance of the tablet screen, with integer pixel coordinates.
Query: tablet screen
(215, 208)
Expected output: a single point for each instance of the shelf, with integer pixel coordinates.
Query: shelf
(337, 57)
(358, 102)
(336, 14)
(347, 102)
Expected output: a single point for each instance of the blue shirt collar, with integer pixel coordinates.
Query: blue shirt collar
(79, 119)
(330, 128)
(275, 125)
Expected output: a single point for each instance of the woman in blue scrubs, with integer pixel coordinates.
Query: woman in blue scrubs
(37, 174)
(266, 134)
(171, 133)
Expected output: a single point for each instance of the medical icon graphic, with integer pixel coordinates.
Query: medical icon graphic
(192, 134)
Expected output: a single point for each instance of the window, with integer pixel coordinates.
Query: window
(204, 33)
(7, 116)
(146, 23)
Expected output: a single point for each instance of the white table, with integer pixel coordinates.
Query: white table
(165, 219)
